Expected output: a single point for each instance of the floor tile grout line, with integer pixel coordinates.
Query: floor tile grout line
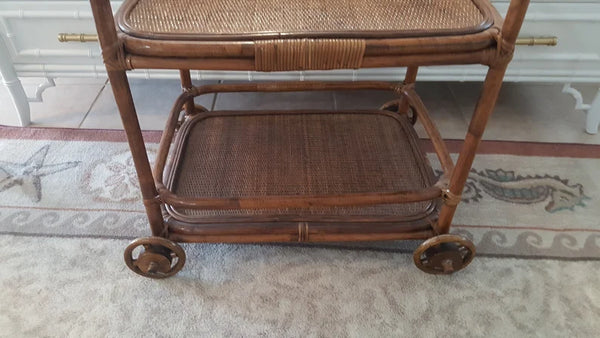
(457, 105)
(93, 103)
(214, 102)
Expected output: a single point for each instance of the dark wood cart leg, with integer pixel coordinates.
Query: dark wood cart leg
(411, 74)
(401, 105)
(445, 253)
(160, 257)
(483, 111)
(409, 79)
(122, 93)
(116, 65)
(487, 101)
(186, 85)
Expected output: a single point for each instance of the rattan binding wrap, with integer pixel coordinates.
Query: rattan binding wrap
(304, 54)
(251, 19)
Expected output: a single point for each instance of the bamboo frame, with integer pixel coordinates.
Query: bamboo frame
(300, 201)
(493, 46)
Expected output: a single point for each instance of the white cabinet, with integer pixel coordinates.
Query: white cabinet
(29, 46)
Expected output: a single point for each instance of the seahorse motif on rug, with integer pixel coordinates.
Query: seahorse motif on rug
(506, 186)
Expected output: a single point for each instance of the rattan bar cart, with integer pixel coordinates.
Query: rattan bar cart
(300, 176)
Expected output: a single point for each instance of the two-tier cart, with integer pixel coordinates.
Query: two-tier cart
(302, 175)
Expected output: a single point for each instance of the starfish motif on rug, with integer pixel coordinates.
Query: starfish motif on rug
(28, 174)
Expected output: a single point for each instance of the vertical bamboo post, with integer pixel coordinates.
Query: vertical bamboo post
(483, 109)
(186, 84)
(411, 74)
(109, 42)
(409, 78)
(514, 20)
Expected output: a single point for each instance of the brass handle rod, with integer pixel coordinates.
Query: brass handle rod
(537, 41)
(69, 37)
(522, 41)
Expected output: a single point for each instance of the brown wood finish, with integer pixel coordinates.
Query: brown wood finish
(483, 110)
(124, 47)
(120, 86)
(439, 146)
(284, 231)
(477, 57)
(246, 49)
(186, 84)
(323, 237)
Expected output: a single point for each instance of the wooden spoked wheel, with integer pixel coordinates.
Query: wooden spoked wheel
(394, 106)
(159, 258)
(444, 254)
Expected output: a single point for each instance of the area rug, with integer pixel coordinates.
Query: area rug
(79, 287)
(70, 204)
(521, 199)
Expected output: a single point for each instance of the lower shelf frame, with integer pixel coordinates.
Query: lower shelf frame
(299, 232)
(390, 230)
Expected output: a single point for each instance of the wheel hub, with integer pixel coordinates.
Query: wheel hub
(150, 262)
(444, 254)
(160, 257)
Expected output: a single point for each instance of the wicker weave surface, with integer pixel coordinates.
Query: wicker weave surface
(302, 154)
(269, 18)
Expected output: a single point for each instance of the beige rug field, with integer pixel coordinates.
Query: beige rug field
(59, 287)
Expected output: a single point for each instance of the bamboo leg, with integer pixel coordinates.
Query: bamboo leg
(409, 78)
(483, 110)
(113, 55)
(122, 93)
(186, 84)
(411, 74)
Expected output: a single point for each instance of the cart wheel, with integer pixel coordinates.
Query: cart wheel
(160, 257)
(444, 254)
(394, 106)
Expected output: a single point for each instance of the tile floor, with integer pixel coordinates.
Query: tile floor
(525, 112)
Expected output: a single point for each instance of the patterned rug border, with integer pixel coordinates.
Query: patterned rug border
(73, 134)
(141, 212)
(533, 241)
(317, 245)
(574, 150)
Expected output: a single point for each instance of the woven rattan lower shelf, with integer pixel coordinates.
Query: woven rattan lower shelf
(354, 161)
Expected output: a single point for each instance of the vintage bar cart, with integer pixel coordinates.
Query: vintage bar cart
(280, 176)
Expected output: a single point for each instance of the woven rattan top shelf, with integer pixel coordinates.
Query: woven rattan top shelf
(274, 35)
(252, 19)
